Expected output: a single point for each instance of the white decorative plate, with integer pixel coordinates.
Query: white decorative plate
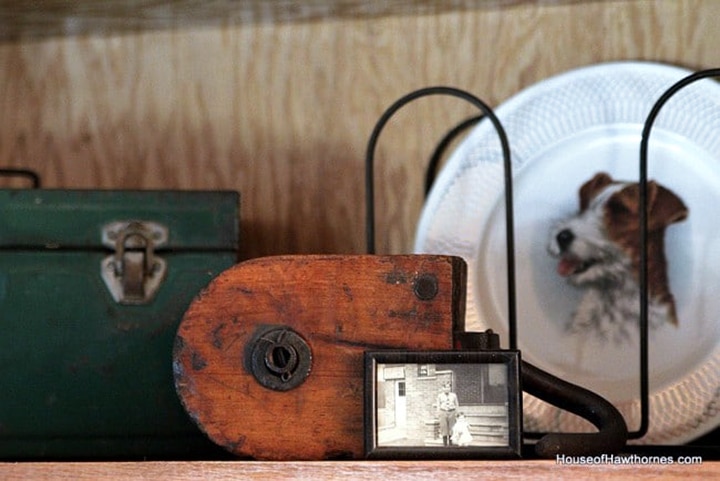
(561, 132)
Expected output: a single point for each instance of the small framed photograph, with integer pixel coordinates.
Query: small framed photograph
(443, 404)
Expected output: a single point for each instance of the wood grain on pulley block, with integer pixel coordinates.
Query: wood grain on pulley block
(306, 320)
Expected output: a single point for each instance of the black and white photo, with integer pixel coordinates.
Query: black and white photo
(451, 404)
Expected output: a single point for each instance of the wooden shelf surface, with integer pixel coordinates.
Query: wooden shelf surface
(356, 470)
(43, 18)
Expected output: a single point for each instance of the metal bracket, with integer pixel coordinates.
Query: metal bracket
(134, 273)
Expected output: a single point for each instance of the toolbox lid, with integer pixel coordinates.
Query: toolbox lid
(74, 219)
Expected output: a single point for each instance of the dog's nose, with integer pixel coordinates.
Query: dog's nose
(564, 238)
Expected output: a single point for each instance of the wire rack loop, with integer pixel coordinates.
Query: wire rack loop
(507, 164)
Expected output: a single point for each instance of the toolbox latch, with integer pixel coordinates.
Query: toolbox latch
(134, 273)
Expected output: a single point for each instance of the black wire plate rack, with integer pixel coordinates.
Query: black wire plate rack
(708, 445)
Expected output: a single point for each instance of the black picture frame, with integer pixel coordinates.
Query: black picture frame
(406, 415)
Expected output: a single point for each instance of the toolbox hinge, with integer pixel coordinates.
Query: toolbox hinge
(134, 273)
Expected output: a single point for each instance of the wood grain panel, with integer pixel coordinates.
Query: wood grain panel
(282, 111)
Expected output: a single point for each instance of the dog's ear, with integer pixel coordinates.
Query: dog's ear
(627, 200)
(591, 188)
(664, 207)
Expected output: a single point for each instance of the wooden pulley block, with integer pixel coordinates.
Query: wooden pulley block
(268, 359)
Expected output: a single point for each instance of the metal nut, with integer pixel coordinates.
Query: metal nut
(280, 359)
(425, 287)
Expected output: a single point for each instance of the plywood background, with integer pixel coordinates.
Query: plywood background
(282, 111)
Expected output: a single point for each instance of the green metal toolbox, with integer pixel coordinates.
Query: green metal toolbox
(93, 285)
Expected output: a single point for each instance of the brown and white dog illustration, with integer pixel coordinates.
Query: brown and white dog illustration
(599, 250)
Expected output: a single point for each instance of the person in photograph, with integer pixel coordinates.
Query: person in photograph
(447, 404)
(461, 431)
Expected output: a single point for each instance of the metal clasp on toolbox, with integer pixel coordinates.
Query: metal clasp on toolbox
(134, 273)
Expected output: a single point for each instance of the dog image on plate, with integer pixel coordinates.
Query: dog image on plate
(598, 251)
